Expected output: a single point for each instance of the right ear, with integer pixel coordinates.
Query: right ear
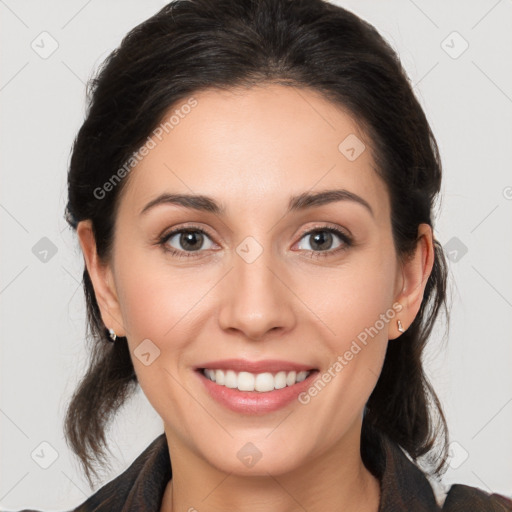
(102, 279)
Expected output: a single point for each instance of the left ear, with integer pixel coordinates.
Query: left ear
(411, 283)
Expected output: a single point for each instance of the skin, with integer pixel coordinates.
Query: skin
(251, 149)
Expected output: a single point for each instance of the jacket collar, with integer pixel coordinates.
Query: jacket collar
(404, 487)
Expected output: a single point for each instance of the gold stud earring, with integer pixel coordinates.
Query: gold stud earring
(400, 327)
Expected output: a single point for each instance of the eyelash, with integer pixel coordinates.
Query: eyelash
(346, 239)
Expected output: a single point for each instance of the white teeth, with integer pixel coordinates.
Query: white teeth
(280, 380)
(245, 381)
(220, 377)
(231, 380)
(301, 376)
(291, 378)
(262, 382)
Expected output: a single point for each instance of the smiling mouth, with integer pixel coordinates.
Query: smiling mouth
(259, 382)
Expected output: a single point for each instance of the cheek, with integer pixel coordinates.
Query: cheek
(157, 299)
(161, 304)
(351, 297)
(168, 306)
(355, 308)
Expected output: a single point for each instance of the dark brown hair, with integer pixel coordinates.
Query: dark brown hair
(192, 45)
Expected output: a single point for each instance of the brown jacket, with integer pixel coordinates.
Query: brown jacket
(404, 487)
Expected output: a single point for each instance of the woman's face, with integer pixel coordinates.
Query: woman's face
(268, 282)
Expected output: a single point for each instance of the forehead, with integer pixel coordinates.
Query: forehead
(250, 146)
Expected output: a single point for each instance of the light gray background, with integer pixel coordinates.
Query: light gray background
(468, 102)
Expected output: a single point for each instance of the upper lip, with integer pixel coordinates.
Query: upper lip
(266, 365)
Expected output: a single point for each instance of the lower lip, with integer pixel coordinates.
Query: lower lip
(255, 402)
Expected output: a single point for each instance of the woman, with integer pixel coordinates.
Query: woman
(252, 190)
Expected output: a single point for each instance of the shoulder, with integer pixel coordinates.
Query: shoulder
(406, 487)
(139, 488)
(461, 498)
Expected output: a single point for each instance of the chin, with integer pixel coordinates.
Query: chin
(252, 458)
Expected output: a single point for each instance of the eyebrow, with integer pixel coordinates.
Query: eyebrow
(296, 203)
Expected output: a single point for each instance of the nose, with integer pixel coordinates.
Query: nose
(256, 299)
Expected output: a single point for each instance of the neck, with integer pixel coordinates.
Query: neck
(337, 480)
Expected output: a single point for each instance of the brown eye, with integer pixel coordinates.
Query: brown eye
(322, 240)
(183, 241)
